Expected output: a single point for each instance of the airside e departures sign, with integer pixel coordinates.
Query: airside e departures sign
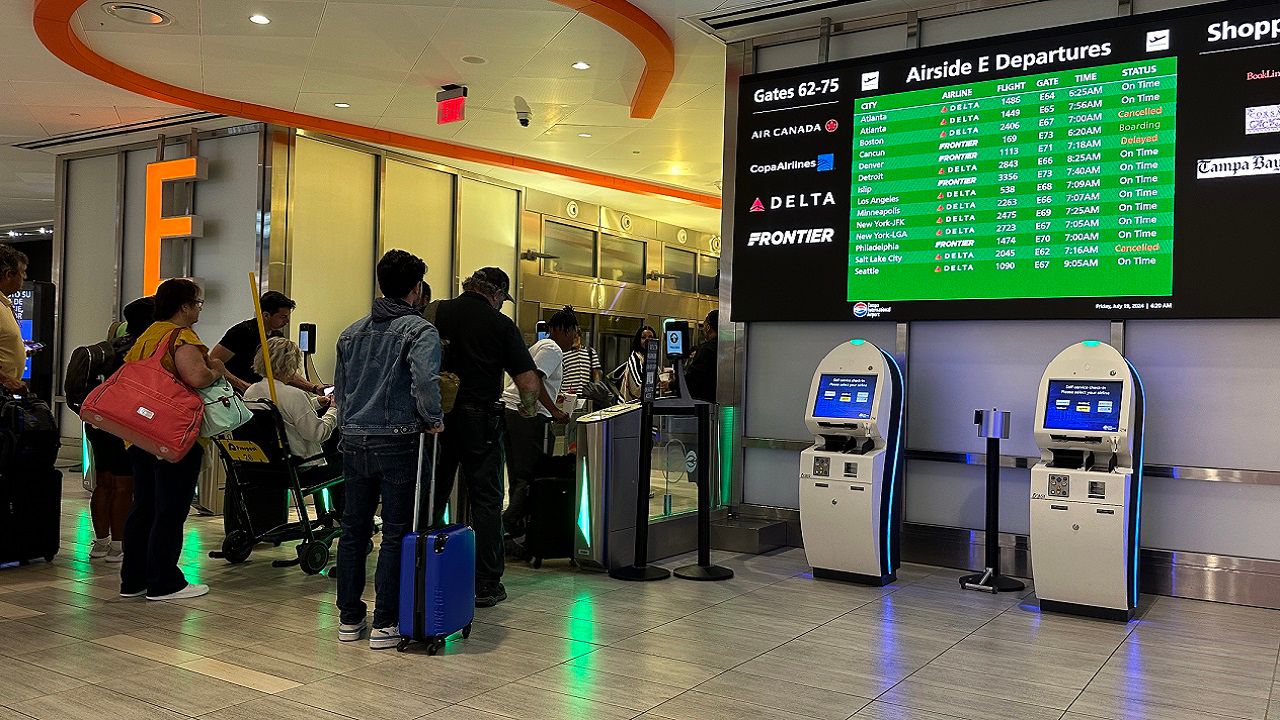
(1119, 169)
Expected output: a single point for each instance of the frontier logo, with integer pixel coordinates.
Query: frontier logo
(803, 236)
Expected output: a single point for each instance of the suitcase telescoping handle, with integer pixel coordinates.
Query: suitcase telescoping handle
(431, 488)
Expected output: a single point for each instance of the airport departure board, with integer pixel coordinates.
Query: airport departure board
(1112, 170)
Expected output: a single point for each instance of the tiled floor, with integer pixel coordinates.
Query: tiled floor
(771, 643)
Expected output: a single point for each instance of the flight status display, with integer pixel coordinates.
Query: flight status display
(1119, 169)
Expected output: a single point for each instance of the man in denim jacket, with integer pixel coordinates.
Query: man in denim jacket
(387, 391)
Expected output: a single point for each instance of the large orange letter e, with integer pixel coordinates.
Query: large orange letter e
(157, 226)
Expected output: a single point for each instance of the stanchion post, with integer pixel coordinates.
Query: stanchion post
(992, 425)
(704, 570)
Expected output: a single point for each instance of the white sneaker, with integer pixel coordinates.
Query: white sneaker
(115, 553)
(190, 591)
(99, 548)
(384, 638)
(351, 633)
(138, 594)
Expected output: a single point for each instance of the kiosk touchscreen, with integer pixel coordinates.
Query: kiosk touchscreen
(850, 478)
(1086, 491)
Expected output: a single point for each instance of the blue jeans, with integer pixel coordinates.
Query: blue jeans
(376, 467)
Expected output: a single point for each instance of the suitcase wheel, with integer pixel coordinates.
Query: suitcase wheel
(466, 631)
(404, 643)
(313, 556)
(434, 645)
(236, 546)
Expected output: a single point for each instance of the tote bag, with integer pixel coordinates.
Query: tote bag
(145, 404)
(224, 411)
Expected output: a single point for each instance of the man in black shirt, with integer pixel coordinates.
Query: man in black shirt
(240, 343)
(700, 371)
(478, 344)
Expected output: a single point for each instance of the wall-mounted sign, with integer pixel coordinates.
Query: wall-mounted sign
(157, 226)
(1115, 169)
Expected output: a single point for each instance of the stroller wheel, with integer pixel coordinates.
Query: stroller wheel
(236, 546)
(313, 556)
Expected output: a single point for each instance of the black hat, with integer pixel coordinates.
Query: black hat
(139, 314)
(496, 277)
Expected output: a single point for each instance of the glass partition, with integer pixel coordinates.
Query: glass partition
(621, 259)
(573, 248)
(708, 275)
(681, 264)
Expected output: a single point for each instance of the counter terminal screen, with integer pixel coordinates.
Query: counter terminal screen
(1085, 405)
(845, 397)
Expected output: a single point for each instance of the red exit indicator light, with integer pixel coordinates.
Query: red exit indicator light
(451, 104)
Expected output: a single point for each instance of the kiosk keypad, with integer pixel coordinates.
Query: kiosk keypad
(1059, 486)
(822, 467)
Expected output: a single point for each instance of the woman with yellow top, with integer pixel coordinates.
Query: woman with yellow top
(162, 490)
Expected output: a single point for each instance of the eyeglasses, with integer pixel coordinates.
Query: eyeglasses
(199, 303)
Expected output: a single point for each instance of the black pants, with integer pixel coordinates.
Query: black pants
(524, 442)
(471, 446)
(162, 494)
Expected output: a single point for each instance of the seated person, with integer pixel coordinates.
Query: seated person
(307, 429)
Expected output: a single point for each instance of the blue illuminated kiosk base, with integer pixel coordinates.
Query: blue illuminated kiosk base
(850, 478)
(1086, 491)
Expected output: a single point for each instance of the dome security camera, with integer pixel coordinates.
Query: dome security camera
(523, 114)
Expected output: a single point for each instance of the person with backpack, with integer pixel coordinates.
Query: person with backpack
(113, 489)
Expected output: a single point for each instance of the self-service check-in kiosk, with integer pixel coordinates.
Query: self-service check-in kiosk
(1086, 491)
(850, 478)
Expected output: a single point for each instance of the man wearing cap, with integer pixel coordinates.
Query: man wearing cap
(478, 344)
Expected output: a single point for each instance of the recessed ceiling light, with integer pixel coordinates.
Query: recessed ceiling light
(259, 19)
(137, 14)
(342, 105)
(581, 65)
(473, 60)
(584, 134)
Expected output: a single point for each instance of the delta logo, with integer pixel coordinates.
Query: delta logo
(795, 200)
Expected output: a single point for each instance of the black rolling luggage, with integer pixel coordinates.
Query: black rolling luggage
(30, 486)
(552, 516)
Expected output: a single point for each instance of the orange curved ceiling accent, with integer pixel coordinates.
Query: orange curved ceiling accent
(647, 36)
(52, 21)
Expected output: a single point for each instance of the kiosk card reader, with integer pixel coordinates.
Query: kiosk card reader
(1086, 491)
(850, 478)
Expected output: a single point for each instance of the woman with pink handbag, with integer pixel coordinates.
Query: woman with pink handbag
(162, 489)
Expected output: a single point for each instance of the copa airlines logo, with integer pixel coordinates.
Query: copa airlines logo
(825, 162)
(795, 200)
(792, 130)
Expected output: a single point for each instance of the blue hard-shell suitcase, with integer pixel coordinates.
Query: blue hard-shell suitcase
(437, 575)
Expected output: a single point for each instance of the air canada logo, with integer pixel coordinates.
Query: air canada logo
(757, 206)
(832, 125)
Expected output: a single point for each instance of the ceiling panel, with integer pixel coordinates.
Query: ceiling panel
(289, 18)
(388, 58)
(588, 40)
(347, 76)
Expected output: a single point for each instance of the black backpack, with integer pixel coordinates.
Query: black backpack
(89, 366)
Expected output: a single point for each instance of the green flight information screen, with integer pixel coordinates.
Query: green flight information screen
(1052, 185)
(1127, 168)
